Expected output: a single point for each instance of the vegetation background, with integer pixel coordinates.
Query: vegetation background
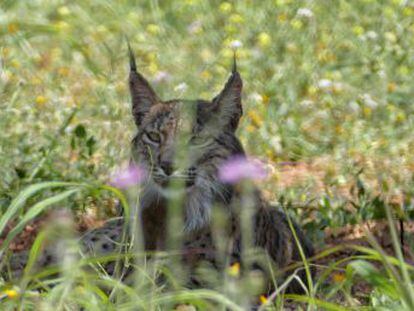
(328, 91)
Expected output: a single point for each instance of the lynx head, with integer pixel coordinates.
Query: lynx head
(185, 140)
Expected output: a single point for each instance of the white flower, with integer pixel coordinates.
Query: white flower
(322, 114)
(195, 27)
(276, 144)
(181, 88)
(161, 76)
(372, 35)
(255, 97)
(368, 101)
(324, 84)
(235, 44)
(305, 12)
(306, 103)
(354, 106)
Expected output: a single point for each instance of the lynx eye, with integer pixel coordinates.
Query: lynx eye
(153, 137)
(199, 141)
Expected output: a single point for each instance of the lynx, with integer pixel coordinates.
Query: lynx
(188, 141)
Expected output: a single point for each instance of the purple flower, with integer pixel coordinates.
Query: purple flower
(240, 168)
(127, 177)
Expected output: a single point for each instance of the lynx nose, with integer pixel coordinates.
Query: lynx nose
(167, 167)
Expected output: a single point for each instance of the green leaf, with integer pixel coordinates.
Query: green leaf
(34, 211)
(80, 131)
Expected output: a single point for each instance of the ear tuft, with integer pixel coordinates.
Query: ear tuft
(143, 96)
(228, 107)
(132, 63)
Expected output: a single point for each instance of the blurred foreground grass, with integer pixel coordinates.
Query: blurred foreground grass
(327, 84)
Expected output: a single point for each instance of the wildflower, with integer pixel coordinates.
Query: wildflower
(239, 168)
(40, 100)
(368, 101)
(225, 7)
(391, 87)
(390, 36)
(264, 39)
(276, 144)
(63, 10)
(291, 47)
(195, 27)
(12, 28)
(282, 17)
(181, 88)
(324, 84)
(338, 277)
(234, 269)
(255, 97)
(250, 128)
(63, 71)
(305, 12)
(153, 67)
(153, 29)
(257, 120)
(235, 44)
(354, 106)
(130, 176)
(296, 24)
(11, 293)
(236, 18)
(15, 63)
(205, 75)
(62, 26)
(372, 35)
(358, 30)
(263, 299)
(162, 76)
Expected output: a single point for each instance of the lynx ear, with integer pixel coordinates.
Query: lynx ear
(143, 96)
(228, 107)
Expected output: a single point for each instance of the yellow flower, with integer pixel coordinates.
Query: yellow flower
(12, 28)
(408, 11)
(153, 29)
(250, 128)
(390, 36)
(205, 75)
(234, 269)
(367, 111)
(153, 68)
(400, 117)
(291, 47)
(358, 30)
(63, 10)
(11, 293)
(256, 119)
(296, 24)
(263, 299)
(403, 70)
(264, 39)
(265, 99)
(282, 17)
(63, 71)
(40, 100)
(62, 26)
(225, 7)
(338, 277)
(391, 87)
(236, 18)
(312, 90)
(15, 63)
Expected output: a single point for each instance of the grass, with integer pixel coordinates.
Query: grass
(329, 88)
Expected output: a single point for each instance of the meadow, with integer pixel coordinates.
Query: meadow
(328, 106)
